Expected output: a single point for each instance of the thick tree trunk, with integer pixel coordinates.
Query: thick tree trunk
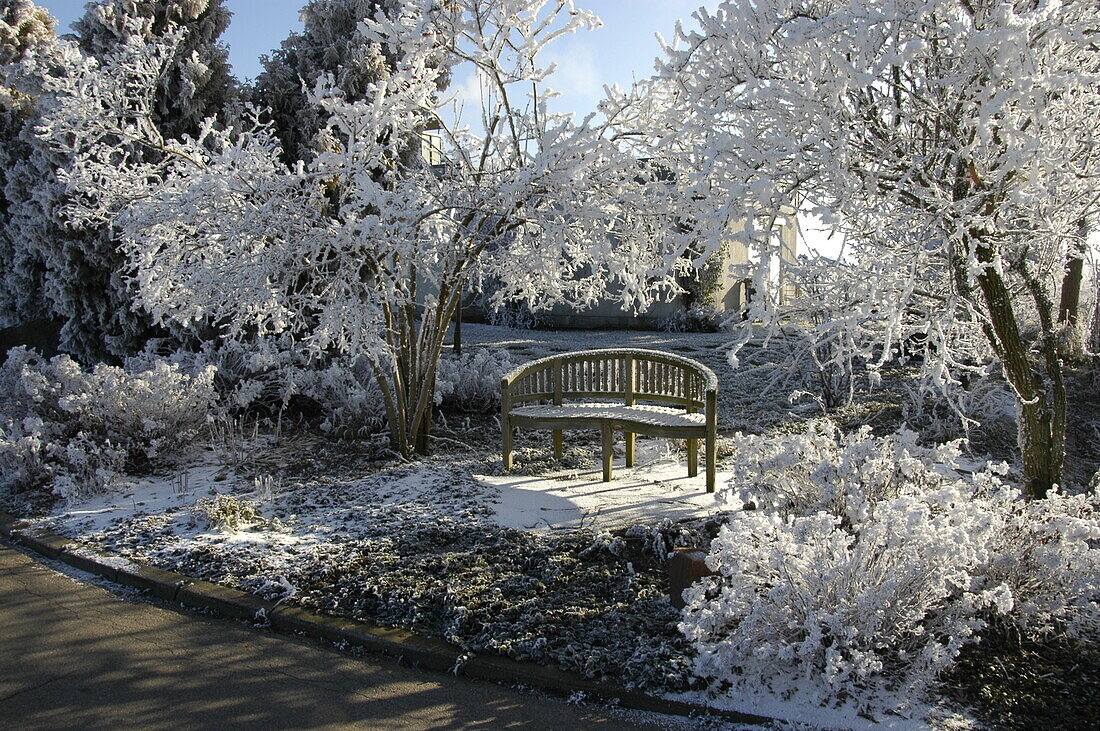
(1070, 304)
(1041, 401)
(1094, 335)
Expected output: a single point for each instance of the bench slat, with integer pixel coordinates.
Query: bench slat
(656, 415)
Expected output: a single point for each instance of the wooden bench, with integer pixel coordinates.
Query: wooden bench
(656, 394)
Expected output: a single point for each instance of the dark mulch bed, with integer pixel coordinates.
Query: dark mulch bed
(1024, 685)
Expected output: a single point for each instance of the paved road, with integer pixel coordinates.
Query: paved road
(74, 655)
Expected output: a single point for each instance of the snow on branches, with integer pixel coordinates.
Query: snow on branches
(869, 562)
(367, 248)
(955, 139)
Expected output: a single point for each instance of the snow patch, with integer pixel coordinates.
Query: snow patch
(656, 488)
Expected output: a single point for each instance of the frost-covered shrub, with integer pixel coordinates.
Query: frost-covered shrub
(471, 382)
(227, 513)
(694, 319)
(274, 376)
(23, 447)
(346, 393)
(512, 315)
(80, 427)
(1046, 553)
(87, 465)
(825, 469)
(874, 561)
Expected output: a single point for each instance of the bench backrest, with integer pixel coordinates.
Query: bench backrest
(630, 374)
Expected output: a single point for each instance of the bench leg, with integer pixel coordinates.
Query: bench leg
(712, 460)
(506, 439)
(693, 457)
(629, 437)
(559, 444)
(608, 451)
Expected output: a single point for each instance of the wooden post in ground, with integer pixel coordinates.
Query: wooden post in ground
(608, 451)
(712, 439)
(559, 442)
(506, 424)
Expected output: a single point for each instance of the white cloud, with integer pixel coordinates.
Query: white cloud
(467, 90)
(577, 76)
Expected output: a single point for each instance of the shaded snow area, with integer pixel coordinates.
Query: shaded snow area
(559, 568)
(430, 546)
(656, 488)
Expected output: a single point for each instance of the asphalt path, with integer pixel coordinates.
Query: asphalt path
(76, 655)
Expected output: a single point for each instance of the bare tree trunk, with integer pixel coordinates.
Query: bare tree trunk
(408, 382)
(1094, 336)
(1072, 345)
(1042, 401)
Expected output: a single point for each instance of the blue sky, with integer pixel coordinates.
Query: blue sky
(623, 49)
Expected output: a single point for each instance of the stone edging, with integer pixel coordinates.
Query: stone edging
(428, 652)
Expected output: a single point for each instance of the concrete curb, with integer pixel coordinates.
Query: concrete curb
(427, 652)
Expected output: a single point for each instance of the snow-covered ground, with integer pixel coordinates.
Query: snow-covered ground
(656, 488)
(547, 563)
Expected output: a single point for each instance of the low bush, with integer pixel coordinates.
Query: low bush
(872, 561)
(346, 394)
(79, 428)
(227, 513)
(471, 381)
(694, 319)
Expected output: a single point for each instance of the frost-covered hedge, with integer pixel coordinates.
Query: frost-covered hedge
(471, 382)
(871, 561)
(694, 319)
(80, 428)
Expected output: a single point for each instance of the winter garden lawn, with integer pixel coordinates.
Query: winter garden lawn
(856, 546)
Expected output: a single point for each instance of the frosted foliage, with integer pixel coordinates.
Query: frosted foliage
(195, 83)
(878, 564)
(267, 375)
(227, 513)
(365, 250)
(850, 321)
(76, 260)
(331, 42)
(347, 393)
(161, 63)
(951, 144)
(23, 27)
(82, 427)
(471, 382)
(825, 469)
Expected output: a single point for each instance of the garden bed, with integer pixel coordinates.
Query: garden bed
(547, 564)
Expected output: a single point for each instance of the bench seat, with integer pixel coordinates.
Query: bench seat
(579, 415)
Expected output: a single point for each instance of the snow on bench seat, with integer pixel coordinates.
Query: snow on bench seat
(648, 415)
(679, 400)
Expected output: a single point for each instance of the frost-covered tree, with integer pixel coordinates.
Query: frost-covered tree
(955, 140)
(366, 249)
(331, 42)
(196, 83)
(24, 28)
(85, 279)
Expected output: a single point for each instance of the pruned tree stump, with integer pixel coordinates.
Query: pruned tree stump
(685, 567)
